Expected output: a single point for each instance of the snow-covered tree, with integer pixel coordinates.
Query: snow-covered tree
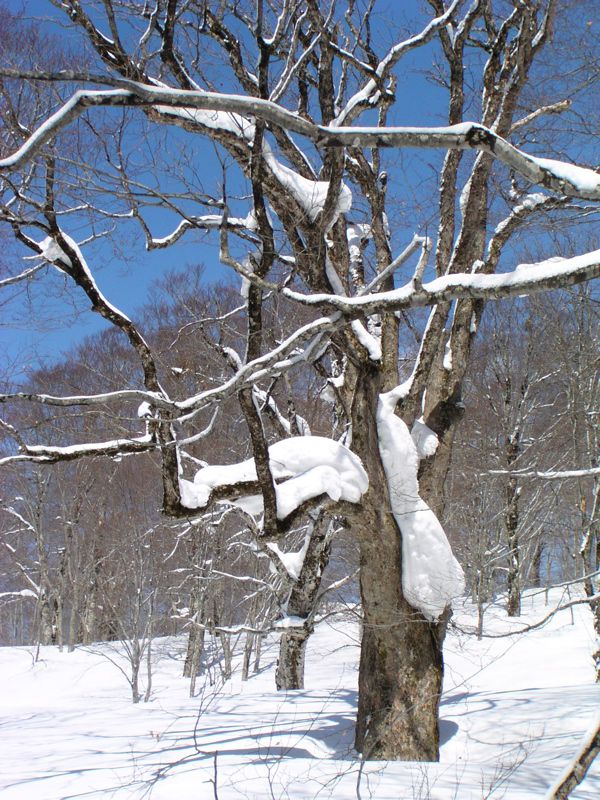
(278, 130)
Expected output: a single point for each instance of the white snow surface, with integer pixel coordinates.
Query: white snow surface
(431, 575)
(513, 712)
(585, 742)
(292, 561)
(426, 440)
(308, 466)
(311, 195)
(582, 178)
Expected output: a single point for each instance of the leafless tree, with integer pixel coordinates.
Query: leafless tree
(300, 103)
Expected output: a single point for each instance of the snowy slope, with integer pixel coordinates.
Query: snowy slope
(512, 713)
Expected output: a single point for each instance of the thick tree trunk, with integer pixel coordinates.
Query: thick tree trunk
(401, 665)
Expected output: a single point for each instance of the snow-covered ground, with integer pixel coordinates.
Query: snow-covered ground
(513, 712)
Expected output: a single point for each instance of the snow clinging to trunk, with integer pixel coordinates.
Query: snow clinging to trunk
(431, 576)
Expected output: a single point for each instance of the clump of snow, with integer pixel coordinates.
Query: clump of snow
(20, 593)
(530, 201)
(218, 120)
(357, 235)
(144, 410)
(289, 622)
(308, 466)
(431, 575)
(319, 480)
(426, 440)
(291, 561)
(53, 253)
(448, 356)
(371, 343)
(311, 195)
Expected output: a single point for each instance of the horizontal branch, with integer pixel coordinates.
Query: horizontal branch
(550, 475)
(23, 276)
(534, 625)
(305, 342)
(558, 176)
(525, 279)
(90, 399)
(46, 454)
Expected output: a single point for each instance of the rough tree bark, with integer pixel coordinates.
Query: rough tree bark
(302, 603)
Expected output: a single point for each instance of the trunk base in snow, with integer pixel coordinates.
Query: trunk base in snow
(400, 683)
(401, 665)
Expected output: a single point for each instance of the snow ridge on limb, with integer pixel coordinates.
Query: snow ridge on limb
(549, 274)
(559, 176)
(431, 575)
(299, 346)
(303, 467)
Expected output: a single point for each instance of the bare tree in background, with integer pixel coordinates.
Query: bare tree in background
(301, 105)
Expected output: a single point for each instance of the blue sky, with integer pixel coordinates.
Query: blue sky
(54, 322)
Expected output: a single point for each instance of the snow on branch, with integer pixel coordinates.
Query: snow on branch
(233, 113)
(524, 628)
(370, 92)
(306, 341)
(575, 772)
(303, 468)
(151, 398)
(559, 176)
(206, 222)
(550, 274)
(48, 454)
(550, 475)
(23, 276)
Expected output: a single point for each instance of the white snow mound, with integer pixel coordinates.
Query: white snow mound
(431, 575)
(308, 466)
